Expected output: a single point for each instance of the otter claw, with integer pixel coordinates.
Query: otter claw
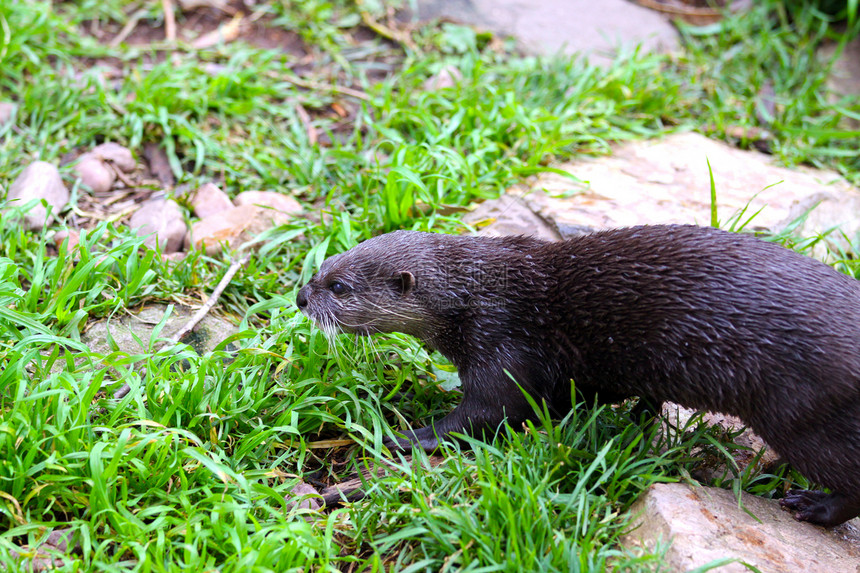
(818, 507)
(801, 503)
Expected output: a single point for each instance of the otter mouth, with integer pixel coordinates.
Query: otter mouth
(332, 325)
(327, 318)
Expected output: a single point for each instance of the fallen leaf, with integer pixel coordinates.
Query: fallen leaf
(339, 109)
(223, 34)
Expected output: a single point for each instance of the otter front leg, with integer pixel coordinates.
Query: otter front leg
(428, 437)
(483, 408)
(827, 509)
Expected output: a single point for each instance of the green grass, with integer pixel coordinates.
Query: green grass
(190, 470)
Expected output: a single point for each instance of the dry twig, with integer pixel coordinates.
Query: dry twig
(305, 118)
(169, 21)
(402, 38)
(315, 86)
(128, 28)
(120, 174)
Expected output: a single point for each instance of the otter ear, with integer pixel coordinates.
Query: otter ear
(403, 282)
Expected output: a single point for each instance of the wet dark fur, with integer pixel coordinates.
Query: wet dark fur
(708, 319)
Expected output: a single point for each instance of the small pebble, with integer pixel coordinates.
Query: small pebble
(269, 199)
(233, 227)
(116, 154)
(7, 112)
(73, 236)
(162, 220)
(95, 173)
(39, 180)
(208, 199)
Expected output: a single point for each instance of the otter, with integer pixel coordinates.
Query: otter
(709, 319)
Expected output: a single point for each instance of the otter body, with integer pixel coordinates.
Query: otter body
(705, 318)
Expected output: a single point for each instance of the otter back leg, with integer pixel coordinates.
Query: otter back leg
(825, 449)
(826, 509)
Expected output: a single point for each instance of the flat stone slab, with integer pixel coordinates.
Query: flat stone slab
(570, 26)
(705, 524)
(667, 181)
(754, 449)
(844, 80)
(129, 331)
(509, 215)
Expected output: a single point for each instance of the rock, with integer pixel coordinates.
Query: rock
(208, 199)
(174, 257)
(269, 199)
(508, 215)
(696, 13)
(705, 524)
(39, 180)
(299, 497)
(598, 29)
(233, 227)
(43, 556)
(678, 417)
(96, 168)
(163, 221)
(131, 333)
(844, 79)
(60, 538)
(97, 175)
(666, 181)
(188, 5)
(116, 154)
(447, 77)
(73, 236)
(7, 113)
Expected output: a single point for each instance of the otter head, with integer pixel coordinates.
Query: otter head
(365, 290)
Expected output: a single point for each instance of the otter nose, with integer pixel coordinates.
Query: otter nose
(302, 298)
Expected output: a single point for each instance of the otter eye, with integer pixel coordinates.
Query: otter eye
(337, 287)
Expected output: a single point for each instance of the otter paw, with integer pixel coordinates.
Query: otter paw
(398, 444)
(817, 507)
(422, 437)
